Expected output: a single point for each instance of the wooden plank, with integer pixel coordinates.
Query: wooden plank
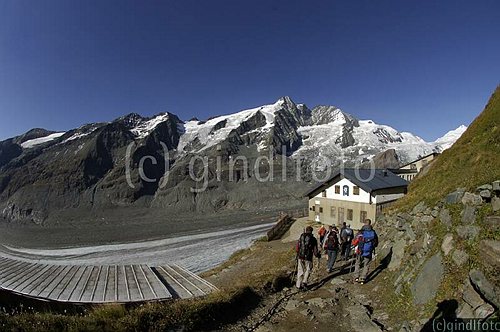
(122, 292)
(133, 285)
(11, 269)
(94, 281)
(87, 286)
(47, 281)
(33, 278)
(13, 272)
(72, 287)
(21, 276)
(204, 285)
(28, 289)
(110, 293)
(55, 282)
(100, 287)
(159, 288)
(200, 279)
(63, 284)
(4, 261)
(144, 285)
(176, 286)
(179, 275)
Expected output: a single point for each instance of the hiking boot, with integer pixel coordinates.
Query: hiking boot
(356, 280)
(361, 281)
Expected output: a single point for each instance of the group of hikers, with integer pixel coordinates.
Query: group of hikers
(332, 242)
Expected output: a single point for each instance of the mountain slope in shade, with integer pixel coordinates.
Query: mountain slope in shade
(85, 169)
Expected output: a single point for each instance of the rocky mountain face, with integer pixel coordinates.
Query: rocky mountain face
(102, 166)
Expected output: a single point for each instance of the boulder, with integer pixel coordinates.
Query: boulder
(419, 208)
(471, 199)
(460, 257)
(483, 311)
(485, 288)
(435, 213)
(465, 311)
(470, 296)
(428, 281)
(427, 241)
(489, 254)
(426, 219)
(455, 197)
(495, 204)
(291, 305)
(468, 232)
(318, 302)
(409, 232)
(474, 306)
(484, 187)
(492, 222)
(447, 245)
(485, 194)
(445, 217)
(468, 215)
(361, 320)
(495, 186)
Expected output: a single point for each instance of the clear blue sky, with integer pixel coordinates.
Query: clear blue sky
(419, 66)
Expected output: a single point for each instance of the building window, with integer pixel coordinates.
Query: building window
(355, 190)
(349, 214)
(341, 215)
(413, 166)
(337, 189)
(320, 210)
(313, 208)
(345, 190)
(332, 212)
(362, 216)
(323, 194)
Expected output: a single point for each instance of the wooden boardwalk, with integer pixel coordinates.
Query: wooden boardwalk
(100, 283)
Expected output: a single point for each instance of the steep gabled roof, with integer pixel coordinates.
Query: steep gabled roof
(367, 179)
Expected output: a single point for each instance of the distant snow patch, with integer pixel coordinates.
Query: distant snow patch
(143, 129)
(40, 140)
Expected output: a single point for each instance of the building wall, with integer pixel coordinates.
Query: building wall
(387, 198)
(408, 176)
(363, 197)
(322, 207)
(419, 164)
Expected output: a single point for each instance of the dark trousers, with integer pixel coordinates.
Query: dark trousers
(332, 257)
(345, 250)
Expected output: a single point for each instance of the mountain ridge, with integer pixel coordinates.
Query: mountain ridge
(101, 166)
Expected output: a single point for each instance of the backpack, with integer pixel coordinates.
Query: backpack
(332, 242)
(306, 246)
(370, 242)
(348, 234)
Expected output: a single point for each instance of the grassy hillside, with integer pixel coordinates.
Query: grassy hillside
(473, 160)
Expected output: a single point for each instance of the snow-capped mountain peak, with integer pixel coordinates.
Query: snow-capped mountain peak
(215, 130)
(450, 137)
(144, 127)
(328, 114)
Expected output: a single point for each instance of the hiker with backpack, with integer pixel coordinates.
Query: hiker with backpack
(331, 246)
(346, 237)
(321, 233)
(307, 248)
(366, 242)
